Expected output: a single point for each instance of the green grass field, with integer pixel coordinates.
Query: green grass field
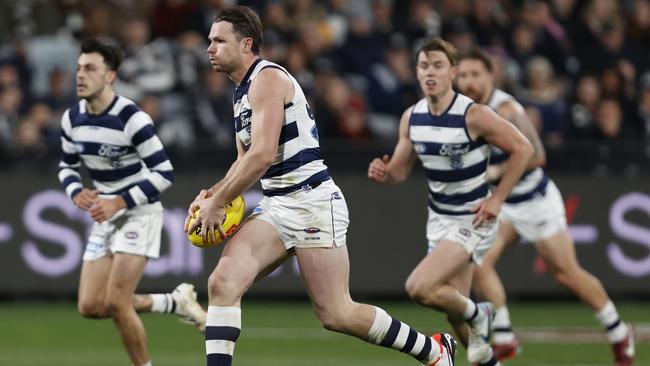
(288, 334)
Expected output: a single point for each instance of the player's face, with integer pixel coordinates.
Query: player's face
(434, 72)
(92, 75)
(474, 79)
(225, 51)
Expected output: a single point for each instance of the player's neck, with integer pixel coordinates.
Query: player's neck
(485, 98)
(439, 104)
(98, 104)
(238, 75)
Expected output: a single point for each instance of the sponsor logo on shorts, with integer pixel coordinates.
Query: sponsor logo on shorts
(465, 232)
(336, 195)
(312, 238)
(311, 230)
(131, 235)
(257, 209)
(540, 224)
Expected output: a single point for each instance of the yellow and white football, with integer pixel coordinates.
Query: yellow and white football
(234, 215)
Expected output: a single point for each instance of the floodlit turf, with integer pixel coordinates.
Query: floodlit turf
(282, 334)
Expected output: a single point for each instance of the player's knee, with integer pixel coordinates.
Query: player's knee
(420, 292)
(332, 320)
(223, 285)
(92, 310)
(115, 306)
(566, 276)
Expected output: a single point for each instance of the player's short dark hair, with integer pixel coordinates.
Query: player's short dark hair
(112, 55)
(439, 44)
(477, 54)
(245, 23)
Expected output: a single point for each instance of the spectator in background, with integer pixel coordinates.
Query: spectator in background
(609, 122)
(583, 108)
(296, 64)
(522, 44)
(36, 132)
(11, 98)
(170, 18)
(644, 105)
(214, 109)
(148, 67)
(390, 89)
(60, 93)
(458, 32)
(551, 39)
(638, 28)
(345, 109)
(488, 21)
(544, 91)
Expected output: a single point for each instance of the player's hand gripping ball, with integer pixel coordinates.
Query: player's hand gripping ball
(234, 215)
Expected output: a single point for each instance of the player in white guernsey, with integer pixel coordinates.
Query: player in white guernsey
(448, 132)
(303, 213)
(116, 142)
(534, 211)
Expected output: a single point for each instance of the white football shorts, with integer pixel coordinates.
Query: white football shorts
(312, 218)
(459, 229)
(538, 218)
(137, 231)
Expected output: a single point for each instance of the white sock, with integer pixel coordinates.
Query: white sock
(502, 327)
(162, 303)
(222, 329)
(148, 363)
(609, 318)
(471, 312)
(392, 333)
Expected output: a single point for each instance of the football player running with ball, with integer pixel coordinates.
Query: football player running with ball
(534, 210)
(450, 134)
(117, 143)
(303, 212)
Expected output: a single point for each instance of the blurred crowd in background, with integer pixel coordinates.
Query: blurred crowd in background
(581, 68)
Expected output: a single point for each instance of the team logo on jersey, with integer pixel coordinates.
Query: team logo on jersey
(113, 153)
(419, 148)
(455, 154)
(244, 120)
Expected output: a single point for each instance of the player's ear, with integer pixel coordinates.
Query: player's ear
(454, 72)
(247, 43)
(111, 76)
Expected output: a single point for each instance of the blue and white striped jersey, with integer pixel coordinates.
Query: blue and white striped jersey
(298, 163)
(454, 164)
(532, 182)
(120, 150)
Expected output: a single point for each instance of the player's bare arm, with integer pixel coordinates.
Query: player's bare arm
(267, 95)
(482, 122)
(514, 112)
(397, 168)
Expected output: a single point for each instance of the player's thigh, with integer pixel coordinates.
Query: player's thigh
(446, 261)
(558, 251)
(93, 281)
(254, 251)
(325, 272)
(506, 237)
(462, 281)
(126, 272)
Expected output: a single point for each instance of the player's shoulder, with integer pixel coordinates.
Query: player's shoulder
(126, 110)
